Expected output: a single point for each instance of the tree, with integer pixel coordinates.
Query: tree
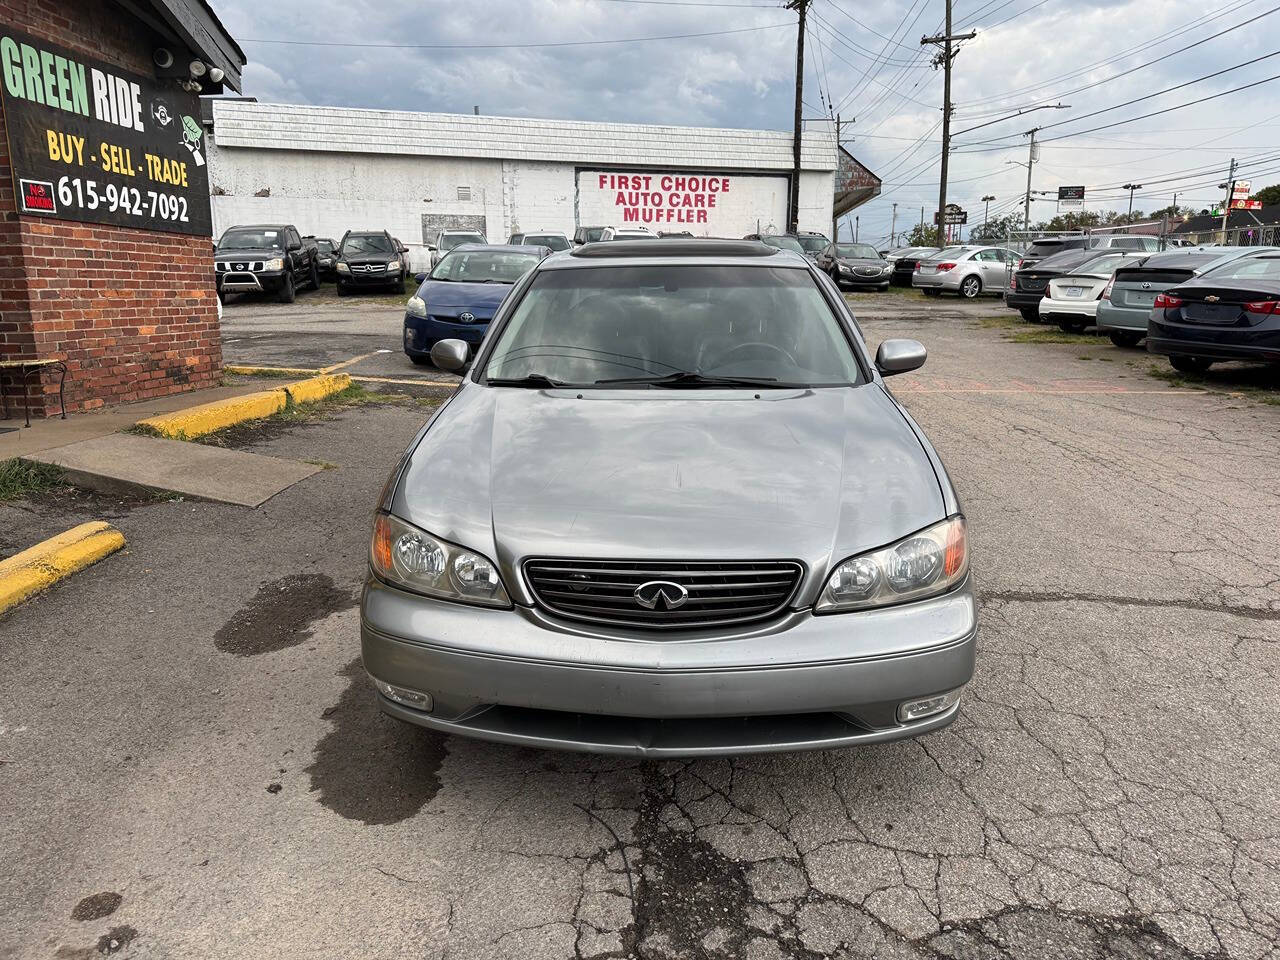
(922, 236)
(1071, 221)
(996, 228)
(1268, 195)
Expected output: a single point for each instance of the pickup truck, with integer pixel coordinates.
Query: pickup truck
(268, 258)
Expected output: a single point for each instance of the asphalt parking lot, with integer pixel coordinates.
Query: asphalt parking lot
(192, 765)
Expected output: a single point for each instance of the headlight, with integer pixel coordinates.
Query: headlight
(393, 264)
(414, 560)
(341, 267)
(922, 565)
(416, 307)
(276, 264)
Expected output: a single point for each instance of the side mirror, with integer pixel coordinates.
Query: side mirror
(451, 355)
(431, 246)
(420, 277)
(295, 245)
(897, 356)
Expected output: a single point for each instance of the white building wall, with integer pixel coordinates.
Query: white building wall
(540, 197)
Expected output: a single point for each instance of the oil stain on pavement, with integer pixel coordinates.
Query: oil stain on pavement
(97, 906)
(371, 767)
(113, 941)
(281, 613)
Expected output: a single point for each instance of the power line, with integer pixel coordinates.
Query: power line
(507, 46)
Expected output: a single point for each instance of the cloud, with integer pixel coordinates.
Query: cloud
(874, 69)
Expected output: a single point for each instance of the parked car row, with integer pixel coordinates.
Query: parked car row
(1195, 305)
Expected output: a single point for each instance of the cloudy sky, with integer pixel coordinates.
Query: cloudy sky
(863, 59)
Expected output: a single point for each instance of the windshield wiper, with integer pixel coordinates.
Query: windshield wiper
(687, 378)
(528, 380)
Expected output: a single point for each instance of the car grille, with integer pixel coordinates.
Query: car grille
(719, 592)
(368, 268)
(238, 266)
(867, 271)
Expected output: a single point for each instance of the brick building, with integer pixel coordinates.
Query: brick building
(331, 169)
(105, 256)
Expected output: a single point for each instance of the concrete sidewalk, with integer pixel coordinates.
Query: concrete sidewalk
(51, 433)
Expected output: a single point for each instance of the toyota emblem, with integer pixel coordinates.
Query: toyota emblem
(467, 317)
(661, 595)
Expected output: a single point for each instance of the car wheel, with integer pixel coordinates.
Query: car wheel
(420, 359)
(342, 289)
(930, 291)
(398, 286)
(1190, 364)
(1073, 326)
(970, 287)
(1030, 314)
(314, 280)
(287, 292)
(883, 287)
(1122, 338)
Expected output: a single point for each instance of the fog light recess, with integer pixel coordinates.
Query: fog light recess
(913, 710)
(403, 695)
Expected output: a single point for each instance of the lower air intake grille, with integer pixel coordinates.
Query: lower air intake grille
(663, 594)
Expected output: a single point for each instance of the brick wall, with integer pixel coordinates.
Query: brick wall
(132, 311)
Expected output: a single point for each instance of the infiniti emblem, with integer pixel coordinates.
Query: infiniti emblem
(661, 595)
(466, 317)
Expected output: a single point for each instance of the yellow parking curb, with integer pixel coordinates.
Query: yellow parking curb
(317, 388)
(207, 417)
(250, 371)
(41, 566)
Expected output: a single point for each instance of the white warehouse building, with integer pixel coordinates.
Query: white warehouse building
(333, 169)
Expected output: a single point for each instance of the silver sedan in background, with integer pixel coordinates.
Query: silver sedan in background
(672, 510)
(969, 271)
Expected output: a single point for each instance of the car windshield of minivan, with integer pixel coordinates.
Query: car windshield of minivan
(551, 240)
(812, 244)
(450, 241)
(252, 240)
(483, 266)
(784, 243)
(857, 251)
(367, 243)
(673, 327)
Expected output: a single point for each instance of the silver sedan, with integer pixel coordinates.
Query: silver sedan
(672, 510)
(969, 271)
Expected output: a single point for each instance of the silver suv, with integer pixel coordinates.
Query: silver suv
(672, 510)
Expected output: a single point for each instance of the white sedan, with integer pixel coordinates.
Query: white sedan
(1071, 301)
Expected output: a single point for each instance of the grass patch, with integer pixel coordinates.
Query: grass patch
(1002, 322)
(297, 413)
(1051, 335)
(21, 478)
(1256, 383)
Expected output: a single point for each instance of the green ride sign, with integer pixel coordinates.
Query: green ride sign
(92, 143)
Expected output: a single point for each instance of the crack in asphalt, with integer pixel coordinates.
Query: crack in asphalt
(1031, 596)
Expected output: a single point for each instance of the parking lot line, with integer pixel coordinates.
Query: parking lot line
(353, 360)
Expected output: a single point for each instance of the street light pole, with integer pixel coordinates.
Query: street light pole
(1031, 159)
(1131, 187)
(986, 205)
(943, 59)
(793, 212)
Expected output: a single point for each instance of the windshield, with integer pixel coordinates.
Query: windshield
(368, 243)
(483, 266)
(1248, 268)
(450, 240)
(583, 325)
(592, 234)
(812, 244)
(857, 251)
(324, 246)
(1105, 266)
(553, 240)
(784, 243)
(252, 238)
(947, 253)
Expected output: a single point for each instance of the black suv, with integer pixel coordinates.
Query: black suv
(369, 258)
(266, 258)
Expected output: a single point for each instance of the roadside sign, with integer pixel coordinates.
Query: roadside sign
(954, 215)
(1071, 198)
(1242, 204)
(1240, 189)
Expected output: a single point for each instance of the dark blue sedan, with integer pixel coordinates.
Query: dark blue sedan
(459, 297)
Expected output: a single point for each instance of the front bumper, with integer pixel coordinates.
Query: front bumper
(360, 279)
(802, 682)
(848, 278)
(248, 281)
(422, 333)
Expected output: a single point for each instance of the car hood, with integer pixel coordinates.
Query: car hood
(452, 298)
(247, 253)
(815, 475)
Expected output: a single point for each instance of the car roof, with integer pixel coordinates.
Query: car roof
(498, 248)
(259, 226)
(682, 250)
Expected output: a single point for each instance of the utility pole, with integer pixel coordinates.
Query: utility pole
(835, 221)
(793, 212)
(986, 206)
(893, 225)
(855, 228)
(1229, 186)
(944, 59)
(1131, 187)
(1031, 159)
(922, 226)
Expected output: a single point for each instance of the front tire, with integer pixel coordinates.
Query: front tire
(313, 281)
(288, 293)
(1190, 364)
(1030, 314)
(1073, 326)
(343, 290)
(930, 291)
(420, 359)
(883, 287)
(970, 288)
(1123, 338)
